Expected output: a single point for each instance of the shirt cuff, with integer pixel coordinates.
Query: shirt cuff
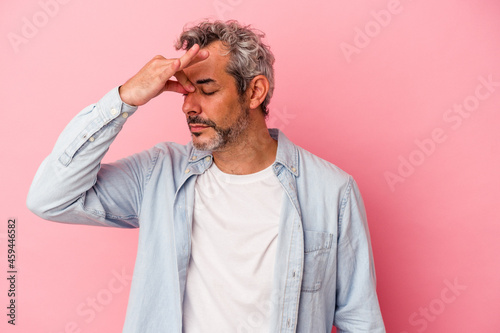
(112, 107)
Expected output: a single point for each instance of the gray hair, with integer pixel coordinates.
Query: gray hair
(249, 55)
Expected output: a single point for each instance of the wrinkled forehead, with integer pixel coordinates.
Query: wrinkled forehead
(213, 67)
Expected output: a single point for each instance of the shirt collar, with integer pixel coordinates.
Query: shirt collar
(287, 154)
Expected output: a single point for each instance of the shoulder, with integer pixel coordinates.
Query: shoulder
(311, 169)
(174, 149)
(315, 165)
(165, 154)
(322, 175)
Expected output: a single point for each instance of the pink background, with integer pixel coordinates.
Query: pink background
(368, 85)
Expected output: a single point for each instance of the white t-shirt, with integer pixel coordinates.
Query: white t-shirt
(233, 248)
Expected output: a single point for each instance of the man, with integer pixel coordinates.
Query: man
(240, 230)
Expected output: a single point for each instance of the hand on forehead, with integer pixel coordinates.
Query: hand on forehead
(210, 70)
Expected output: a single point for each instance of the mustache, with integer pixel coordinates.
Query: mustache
(199, 120)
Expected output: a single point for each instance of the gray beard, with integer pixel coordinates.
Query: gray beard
(225, 136)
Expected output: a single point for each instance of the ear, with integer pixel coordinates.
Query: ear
(257, 91)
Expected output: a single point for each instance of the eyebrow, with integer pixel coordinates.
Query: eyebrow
(204, 81)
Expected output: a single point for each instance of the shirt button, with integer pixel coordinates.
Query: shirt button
(193, 158)
(91, 139)
(125, 115)
(293, 169)
(207, 158)
(187, 171)
(113, 111)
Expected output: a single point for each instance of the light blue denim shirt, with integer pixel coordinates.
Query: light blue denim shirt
(324, 273)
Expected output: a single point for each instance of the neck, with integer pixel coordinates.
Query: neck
(254, 151)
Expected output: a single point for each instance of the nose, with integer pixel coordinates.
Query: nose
(191, 106)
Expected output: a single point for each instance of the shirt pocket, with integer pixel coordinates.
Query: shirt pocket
(317, 246)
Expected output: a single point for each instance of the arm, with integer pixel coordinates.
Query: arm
(71, 185)
(357, 303)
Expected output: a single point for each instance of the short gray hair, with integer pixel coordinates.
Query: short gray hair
(249, 55)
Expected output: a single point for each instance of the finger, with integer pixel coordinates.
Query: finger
(200, 56)
(189, 55)
(192, 56)
(184, 81)
(174, 86)
(170, 67)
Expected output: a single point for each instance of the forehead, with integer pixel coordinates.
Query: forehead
(214, 67)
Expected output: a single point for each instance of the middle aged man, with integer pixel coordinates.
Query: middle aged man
(240, 229)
